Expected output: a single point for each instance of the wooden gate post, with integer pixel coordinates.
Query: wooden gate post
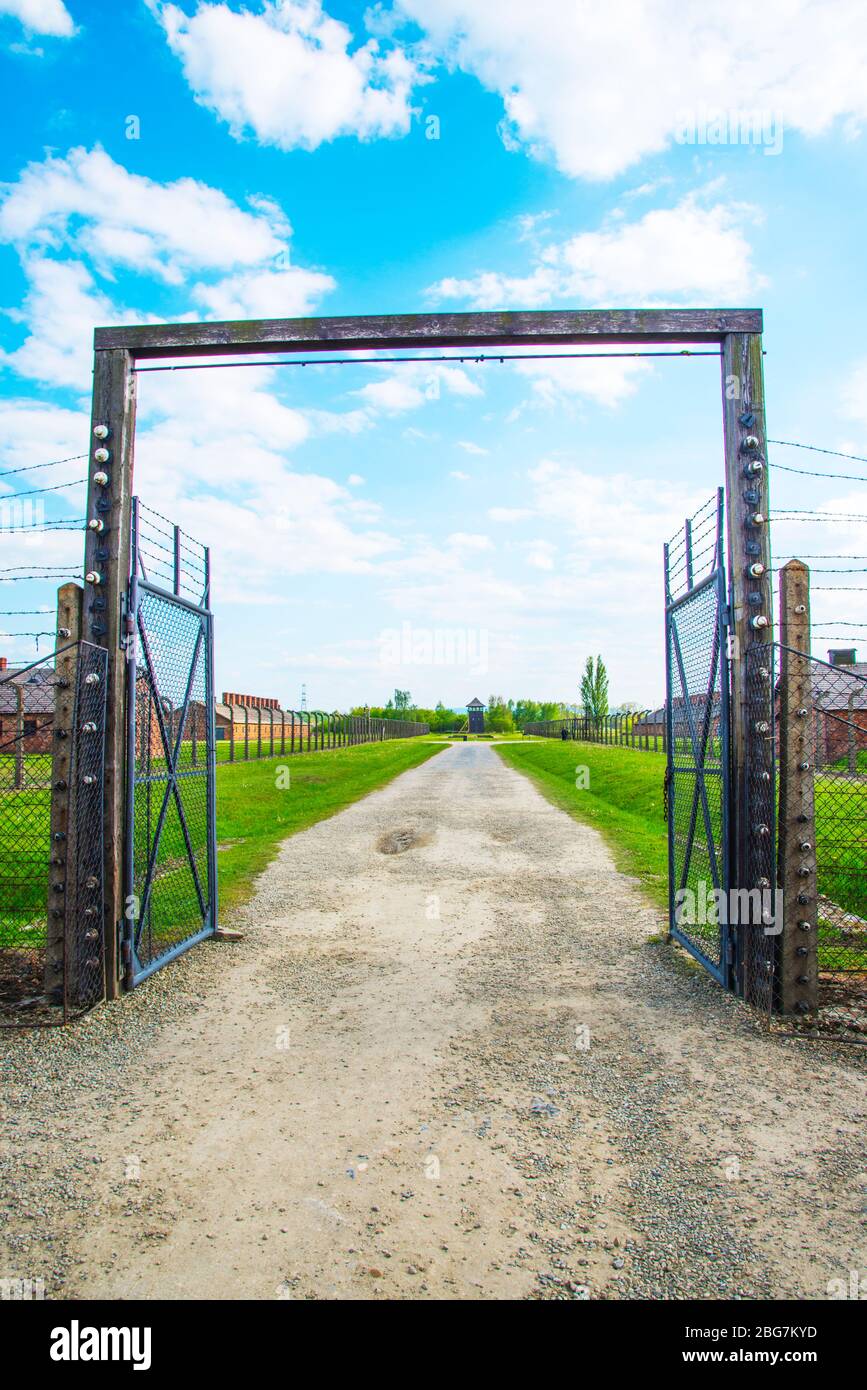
(69, 603)
(106, 565)
(797, 950)
(750, 619)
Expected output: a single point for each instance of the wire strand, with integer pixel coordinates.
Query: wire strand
(387, 361)
(815, 449)
(73, 458)
(34, 492)
(812, 473)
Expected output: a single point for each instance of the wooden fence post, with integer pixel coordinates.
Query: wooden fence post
(69, 604)
(797, 948)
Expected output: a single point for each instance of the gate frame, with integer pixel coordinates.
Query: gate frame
(133, 970)
(738, 333)
(726, 973)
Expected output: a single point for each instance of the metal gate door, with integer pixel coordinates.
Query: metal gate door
(170, 850)
(697, 724)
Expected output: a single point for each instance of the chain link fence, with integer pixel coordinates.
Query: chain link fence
(246, 732)
(52, 731)
(835, 709)
(643, 729)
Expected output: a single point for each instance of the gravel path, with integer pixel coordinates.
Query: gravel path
(384, 1090)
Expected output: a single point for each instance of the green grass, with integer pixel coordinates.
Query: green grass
(623, 800)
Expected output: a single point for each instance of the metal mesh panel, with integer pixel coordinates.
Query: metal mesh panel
(52, 739)
(697, 768)
(171, 887)
(27, 705)
(170, 558)
(693, 554)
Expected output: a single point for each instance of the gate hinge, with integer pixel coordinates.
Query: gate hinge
(127, 624)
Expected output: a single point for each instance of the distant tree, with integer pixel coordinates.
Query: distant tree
(498, 719)
(402, 700)
(594, 688)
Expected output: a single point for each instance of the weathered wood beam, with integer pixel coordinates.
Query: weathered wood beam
(106, 558)
(798, 961)
(751, 864)
(492, 329)
(57, 964)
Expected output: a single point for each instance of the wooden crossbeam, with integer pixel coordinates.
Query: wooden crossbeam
(483, 330)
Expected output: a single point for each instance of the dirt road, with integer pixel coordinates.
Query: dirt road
(446, 1061)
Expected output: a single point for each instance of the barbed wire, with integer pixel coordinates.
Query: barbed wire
(46, 526)
(24, 578)
(37, 491)
(816, 449)
(28, 468)
(812, 473)
(803, 514)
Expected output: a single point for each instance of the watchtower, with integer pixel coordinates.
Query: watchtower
(476, 716)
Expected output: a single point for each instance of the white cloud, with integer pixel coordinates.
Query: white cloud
(287, 74)
(470, 448)
(78, 220)
(465, 540)
(540, 554)
(414, 385)
(491, 290)
(689, 252)
(608, 382)
(392, 395)
(354, 480)
(93, 205)
(461, 477)
(264, 293)
(61, 306)
(213, 450)
(596, 88)
(49, 17)
(509, 514)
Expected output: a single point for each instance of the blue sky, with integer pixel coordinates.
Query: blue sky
(189, 161)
